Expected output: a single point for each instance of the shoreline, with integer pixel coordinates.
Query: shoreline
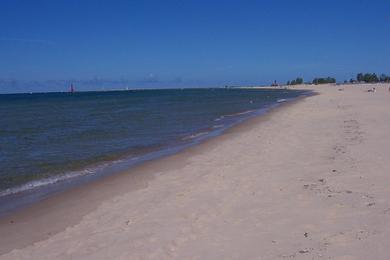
(307, 179)
(21, 196)
(137, 175)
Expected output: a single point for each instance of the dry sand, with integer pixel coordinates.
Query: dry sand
(308, 181)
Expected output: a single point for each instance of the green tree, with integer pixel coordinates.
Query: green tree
(299, 80)
(374, 78)
(384, 78)
(360, 77)
(370, 78)
(326, 80)
(296, 81)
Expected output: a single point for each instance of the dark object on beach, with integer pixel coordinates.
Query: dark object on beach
(303, 251)
(306, 234)
(334, 171)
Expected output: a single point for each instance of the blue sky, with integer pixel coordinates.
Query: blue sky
(205, 43)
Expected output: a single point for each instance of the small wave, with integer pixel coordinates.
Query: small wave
(218, 126)
(50, 180)
(235, 114)
(241, 113)
(194, 136)
(282, 100)
(219, 118)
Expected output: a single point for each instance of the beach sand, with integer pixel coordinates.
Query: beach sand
(309, 180)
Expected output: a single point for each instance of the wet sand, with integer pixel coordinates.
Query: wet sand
(308, 181)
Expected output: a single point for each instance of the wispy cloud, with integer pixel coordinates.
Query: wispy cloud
(28, 41)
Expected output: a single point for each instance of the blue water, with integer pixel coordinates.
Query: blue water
(55, 136)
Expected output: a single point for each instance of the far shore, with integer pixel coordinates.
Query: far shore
(309, 180)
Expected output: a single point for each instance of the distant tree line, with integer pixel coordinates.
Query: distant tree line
(360, 77)
(371, 78)
(327, 80)
(296, 81)
(384, 78)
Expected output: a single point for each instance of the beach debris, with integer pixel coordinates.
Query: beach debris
(306, 234)
(334, 171)
(371, 204)
(363, 234)
(288, 256)
(310, 186)
(303, 251)
(321, 180)
(367, 196)
(348, 191)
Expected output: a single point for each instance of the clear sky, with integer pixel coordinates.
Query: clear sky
(209, 43)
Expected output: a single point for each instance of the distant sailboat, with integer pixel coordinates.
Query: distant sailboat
(71, 89)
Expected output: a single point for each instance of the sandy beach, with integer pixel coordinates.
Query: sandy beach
(309, 180)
